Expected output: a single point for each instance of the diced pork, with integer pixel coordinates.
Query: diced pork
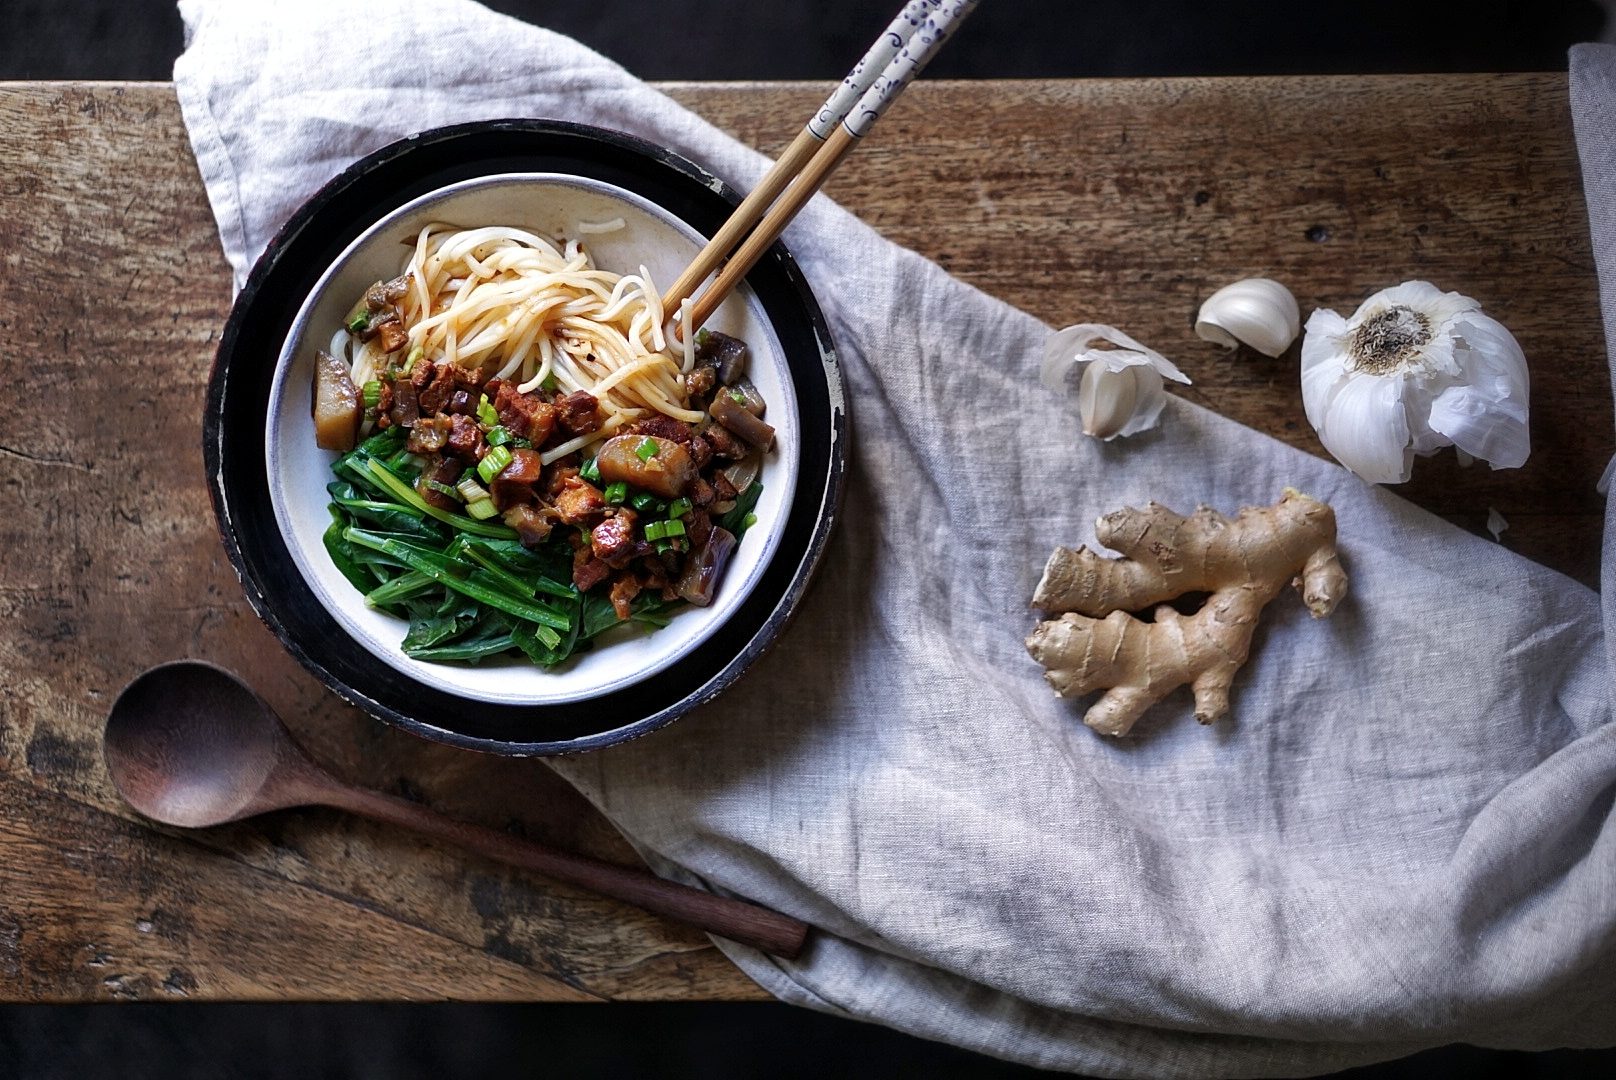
(580, 502)
(578, 413)
(525, 415)
(612, 541)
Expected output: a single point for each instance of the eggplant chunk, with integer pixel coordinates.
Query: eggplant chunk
(727, 353)
(336, 406)
(736, 418)
(667, 473)
(705, 568)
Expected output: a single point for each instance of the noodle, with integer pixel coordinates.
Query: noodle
(514, 305)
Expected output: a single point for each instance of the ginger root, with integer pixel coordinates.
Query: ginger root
(1242, 562)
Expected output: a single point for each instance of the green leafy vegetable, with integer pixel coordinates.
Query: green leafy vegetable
(735, 521)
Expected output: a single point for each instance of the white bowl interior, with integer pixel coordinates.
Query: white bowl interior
(550, 205)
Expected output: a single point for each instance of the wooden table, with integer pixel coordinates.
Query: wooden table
(1121, 202)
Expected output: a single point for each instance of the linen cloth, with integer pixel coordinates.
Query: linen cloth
(1404, 838)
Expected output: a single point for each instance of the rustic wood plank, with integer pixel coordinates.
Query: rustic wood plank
(1118, 201)
(99, 909)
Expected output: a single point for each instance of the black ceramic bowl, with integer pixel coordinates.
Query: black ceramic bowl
(244, 382)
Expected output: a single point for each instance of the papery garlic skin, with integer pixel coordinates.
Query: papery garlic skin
(1258, 312)
(1413, 370)
(1121, 391)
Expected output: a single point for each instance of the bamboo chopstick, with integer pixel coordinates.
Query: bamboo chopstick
(808, 140)
(895, 58)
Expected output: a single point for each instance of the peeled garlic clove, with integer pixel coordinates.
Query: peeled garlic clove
(1105, 400)
(1121, 391)
(1258, 312)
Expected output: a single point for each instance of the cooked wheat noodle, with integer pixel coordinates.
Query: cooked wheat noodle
(518, 307)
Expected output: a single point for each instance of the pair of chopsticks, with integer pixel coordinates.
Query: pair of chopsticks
(895, 58)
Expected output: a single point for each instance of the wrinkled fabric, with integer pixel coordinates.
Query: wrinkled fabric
(1404, 836)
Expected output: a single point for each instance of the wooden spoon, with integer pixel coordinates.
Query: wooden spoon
(188, 744)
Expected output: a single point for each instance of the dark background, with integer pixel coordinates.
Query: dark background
(820, 39)
(737, 39)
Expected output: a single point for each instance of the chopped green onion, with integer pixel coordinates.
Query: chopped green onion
(493, 463)
(590, 471)
(616, 492)
(415, 354)
(647, 449)
(358, 320)
(486, 414)
(499, 436)
(748, 521)
(702, 335)
(737, 397)
(520, 443)
(372, 394)
(441, 488)
(663, 547)
(408, 495)
(482, 509)
(664, 530)
(644, 501)
(679, 509)
(549, 382)
(470, 490)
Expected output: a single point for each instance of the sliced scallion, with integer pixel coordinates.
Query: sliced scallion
(647, 449)
(441, 488)
(616, 492)
(493, 463)
(664, 530)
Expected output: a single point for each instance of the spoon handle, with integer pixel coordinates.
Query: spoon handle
(738, 920)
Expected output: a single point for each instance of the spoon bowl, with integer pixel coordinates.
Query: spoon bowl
(189, 744)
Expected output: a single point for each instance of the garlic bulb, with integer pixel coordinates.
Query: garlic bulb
(1121, 391)
(1415, 369)
(1257, 311)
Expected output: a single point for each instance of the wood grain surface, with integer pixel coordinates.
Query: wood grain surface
(1122, 202)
